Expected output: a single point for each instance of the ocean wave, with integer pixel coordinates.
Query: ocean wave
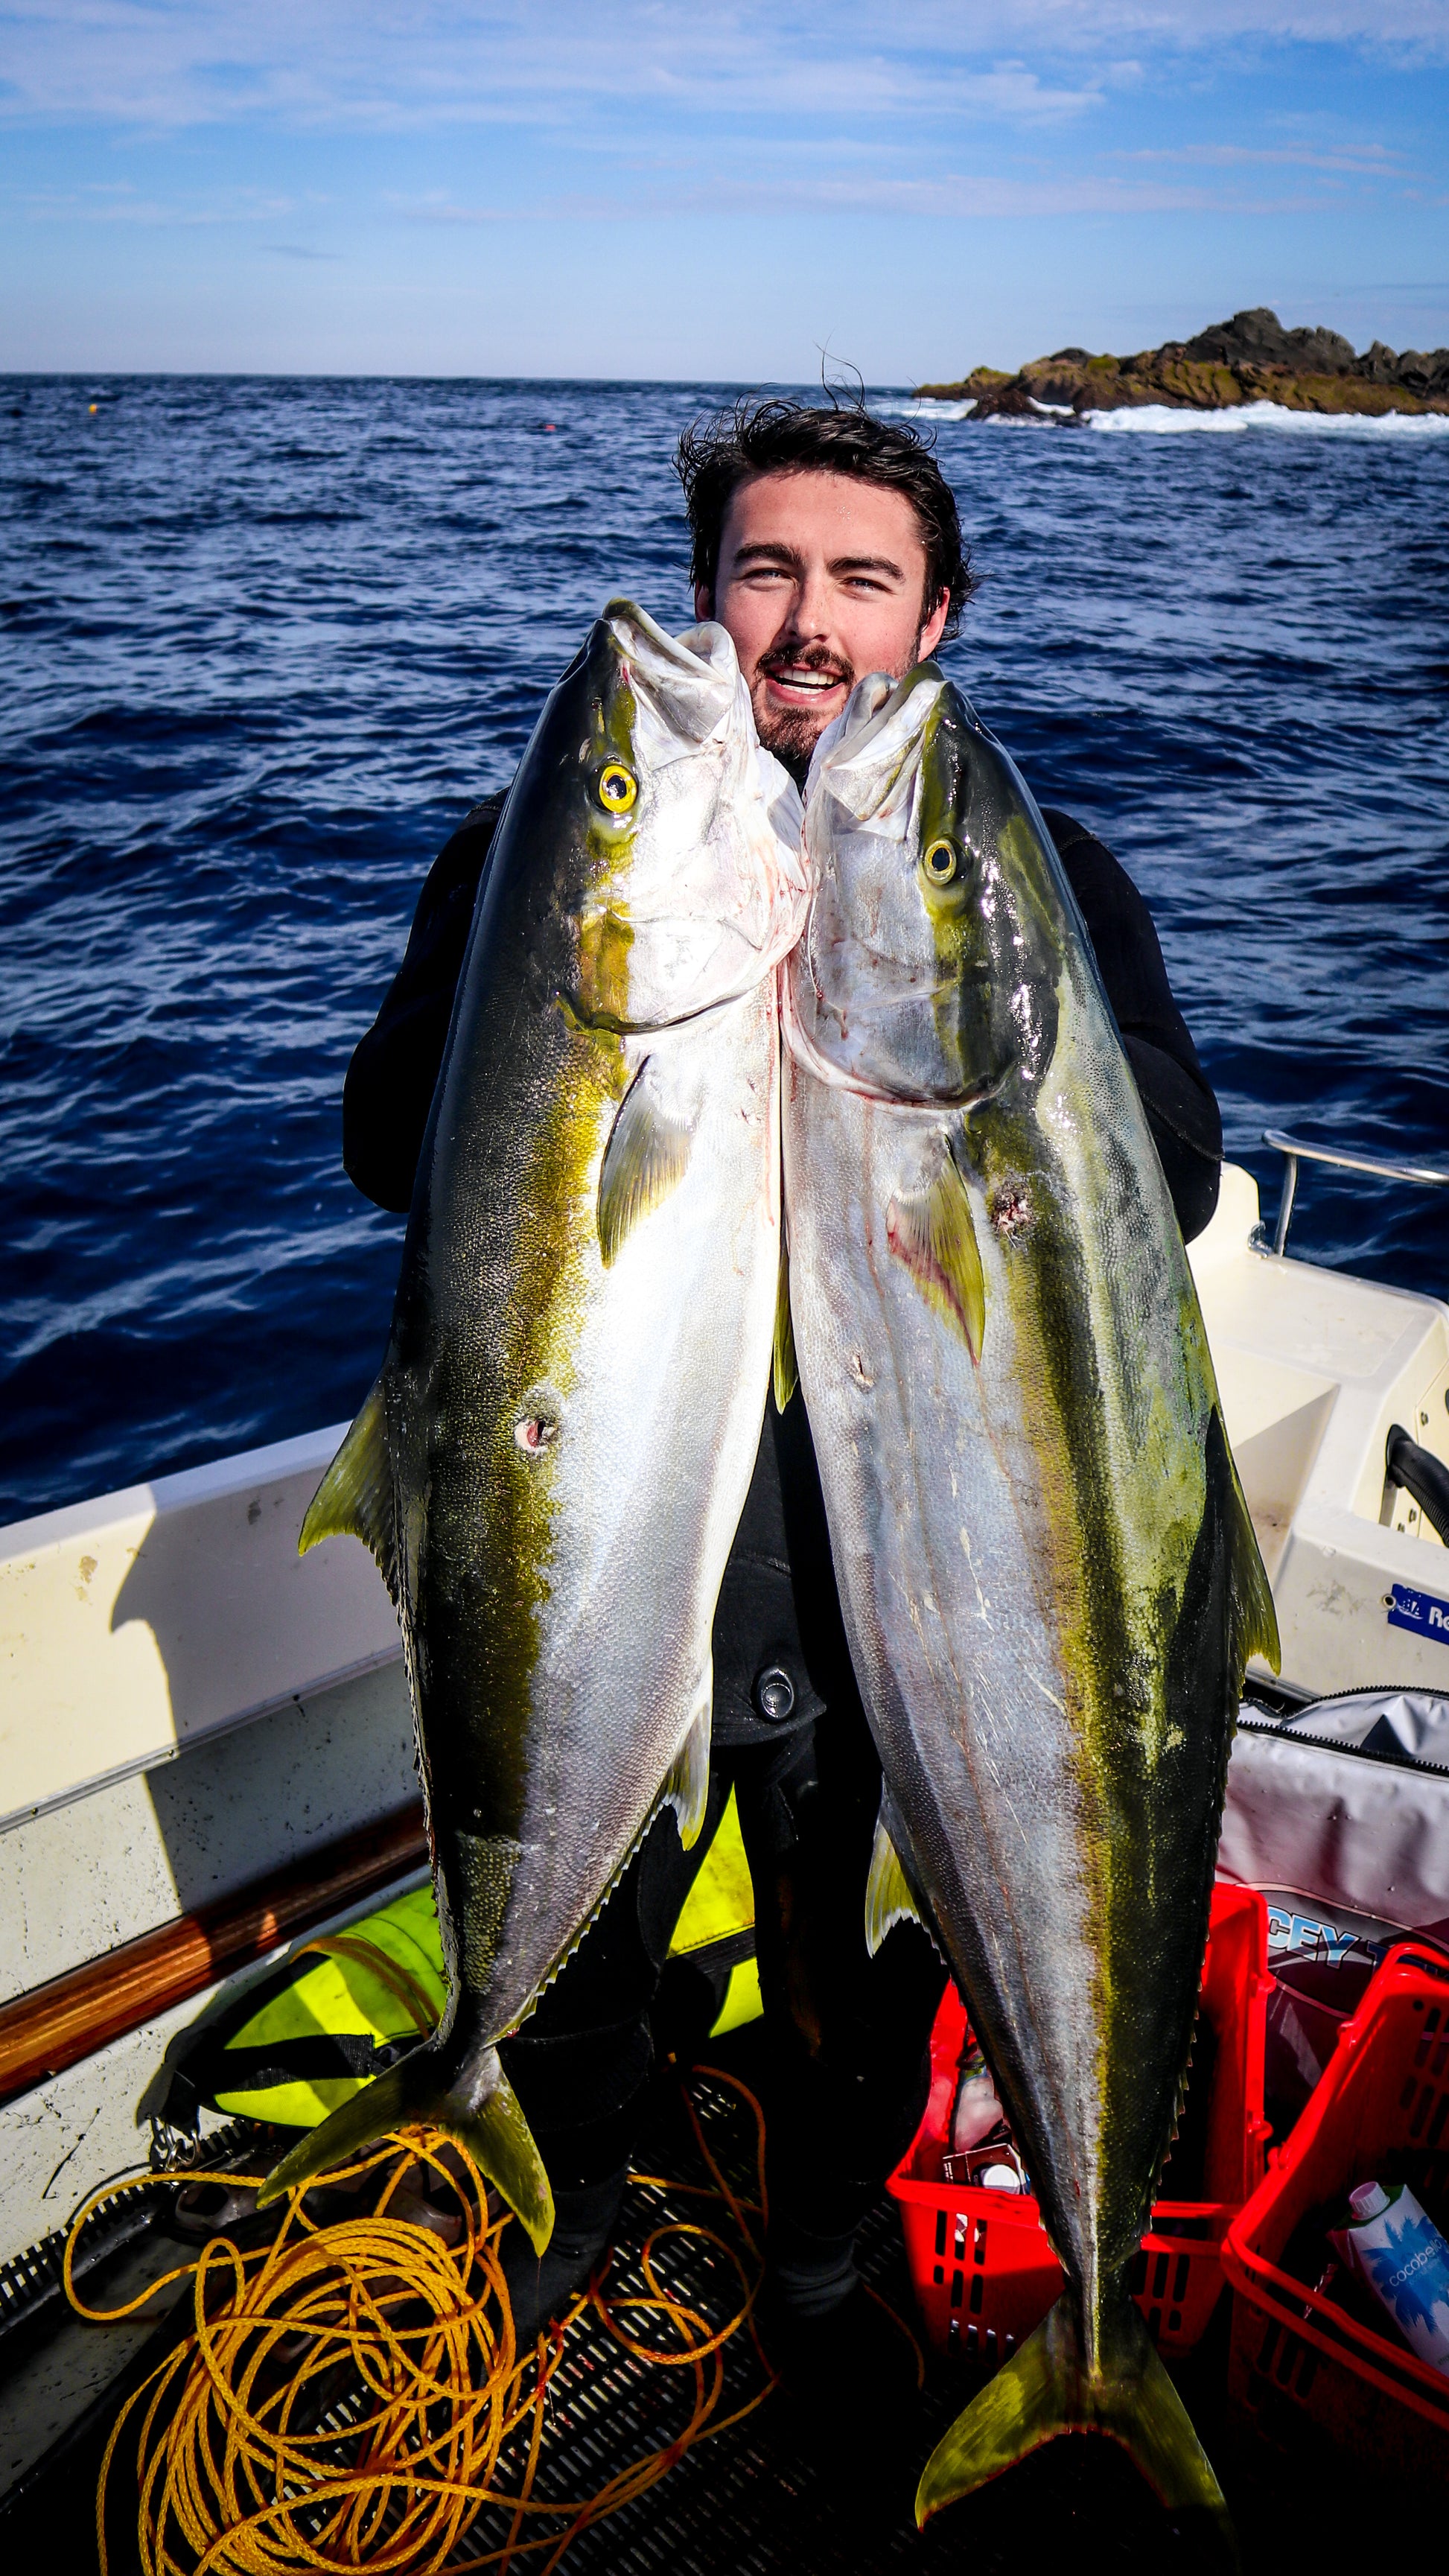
(1160, 418)
(924, 410)
(1172, 419)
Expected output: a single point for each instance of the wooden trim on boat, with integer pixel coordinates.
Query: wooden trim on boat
(58, 2024)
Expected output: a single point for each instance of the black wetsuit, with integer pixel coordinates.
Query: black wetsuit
(845, 2036)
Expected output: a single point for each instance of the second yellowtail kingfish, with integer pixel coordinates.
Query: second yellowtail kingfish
(1049, 1576)
(551, 1465)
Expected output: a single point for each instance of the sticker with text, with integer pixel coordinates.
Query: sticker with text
(1307, 1936)
(1422, 1613)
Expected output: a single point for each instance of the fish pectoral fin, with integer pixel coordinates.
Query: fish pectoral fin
(645, 1158)
(932, 1232)
(1048, 2388)
(784, 1367)
(686, 1782)
(471, 2101)
(889, 1898)
(355, 1497)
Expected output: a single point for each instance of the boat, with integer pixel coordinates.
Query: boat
(206, 1753)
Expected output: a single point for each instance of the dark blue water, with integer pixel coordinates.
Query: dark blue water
(264, 643)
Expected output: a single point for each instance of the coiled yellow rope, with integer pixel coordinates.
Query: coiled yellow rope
(348, 2396)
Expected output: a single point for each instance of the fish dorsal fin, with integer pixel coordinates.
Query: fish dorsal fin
(355, 1497)
(1257, 1619)
(785, 1370)
(645, 1158)
(931, 1231)
(888, 1896)
(686, 1782)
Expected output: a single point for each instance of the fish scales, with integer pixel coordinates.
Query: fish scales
(1047, 1572)
(553, 1462)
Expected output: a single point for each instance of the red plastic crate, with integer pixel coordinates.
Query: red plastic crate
(984, 2273)
(1299, 2365)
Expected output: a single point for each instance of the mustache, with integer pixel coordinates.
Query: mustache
(813, 657)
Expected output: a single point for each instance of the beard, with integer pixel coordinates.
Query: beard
(792, 733)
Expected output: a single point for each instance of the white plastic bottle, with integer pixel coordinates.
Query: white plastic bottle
(1398, 2252)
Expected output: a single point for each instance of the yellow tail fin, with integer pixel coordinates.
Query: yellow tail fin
(478, 2107)
(1047, 2389)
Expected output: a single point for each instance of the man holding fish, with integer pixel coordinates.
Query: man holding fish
(992, 1116)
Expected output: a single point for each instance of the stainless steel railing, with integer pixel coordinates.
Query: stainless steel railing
(1420, 1174)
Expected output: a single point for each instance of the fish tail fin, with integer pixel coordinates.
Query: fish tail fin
(474, 2104)
(1049, 2388)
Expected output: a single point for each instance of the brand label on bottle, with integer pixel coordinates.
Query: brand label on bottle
(1404, 2260)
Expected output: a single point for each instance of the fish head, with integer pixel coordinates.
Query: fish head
(929, 965)
(684, 875)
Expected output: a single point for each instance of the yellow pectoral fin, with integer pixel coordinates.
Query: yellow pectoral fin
(931, 1231)
(645, 1158)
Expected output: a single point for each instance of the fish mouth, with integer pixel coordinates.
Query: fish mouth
(857, 1013)
(612, 1023)
(881, 983)
(839, 1075)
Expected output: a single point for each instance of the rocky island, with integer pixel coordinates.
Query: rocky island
(1249, 359)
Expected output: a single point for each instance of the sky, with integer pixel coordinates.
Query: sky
(739, 190)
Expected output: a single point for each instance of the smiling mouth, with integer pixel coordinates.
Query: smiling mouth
(800, 680)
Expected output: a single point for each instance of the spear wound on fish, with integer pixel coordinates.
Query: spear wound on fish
(1009, 1208)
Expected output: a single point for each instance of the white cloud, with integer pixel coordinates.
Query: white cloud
(1352, 160)
(375, 64)
(104, 204)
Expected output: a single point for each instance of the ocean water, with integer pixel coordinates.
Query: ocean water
(266, 642)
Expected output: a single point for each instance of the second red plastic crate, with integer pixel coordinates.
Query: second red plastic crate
(1300, 2365)
(984, 2273)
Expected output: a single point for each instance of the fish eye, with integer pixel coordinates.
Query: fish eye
(941, 863)
(617, 789)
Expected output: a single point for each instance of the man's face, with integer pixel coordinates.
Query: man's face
(821, 579)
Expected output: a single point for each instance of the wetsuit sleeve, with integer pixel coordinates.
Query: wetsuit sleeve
(1176, 1094)
(393, 1073)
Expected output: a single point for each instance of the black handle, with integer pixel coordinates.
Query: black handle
(1421, 1475)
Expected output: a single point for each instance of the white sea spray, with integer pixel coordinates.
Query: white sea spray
(1174, 419)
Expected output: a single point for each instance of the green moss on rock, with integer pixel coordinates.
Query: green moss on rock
(1250, 359)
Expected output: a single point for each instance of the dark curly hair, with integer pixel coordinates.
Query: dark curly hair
(838, 436)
